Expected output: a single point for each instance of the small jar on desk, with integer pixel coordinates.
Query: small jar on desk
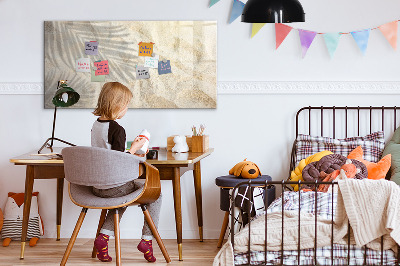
(226, 183)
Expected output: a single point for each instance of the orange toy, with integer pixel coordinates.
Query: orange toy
(245, 169)
(375, 170)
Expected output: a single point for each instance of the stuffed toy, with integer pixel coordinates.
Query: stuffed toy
(13, 215)
(296, 174)
(375, 170)
(180, 144)
(328, 164)
(348, 170)
(245, 169)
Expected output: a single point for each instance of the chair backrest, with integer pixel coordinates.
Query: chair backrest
(92, 166)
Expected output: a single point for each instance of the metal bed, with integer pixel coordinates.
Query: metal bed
(304, 118)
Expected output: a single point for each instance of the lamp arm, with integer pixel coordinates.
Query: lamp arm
(54, 126)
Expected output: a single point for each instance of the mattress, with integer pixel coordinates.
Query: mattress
(322, 204)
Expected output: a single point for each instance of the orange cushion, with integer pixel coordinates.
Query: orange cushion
(375, 170)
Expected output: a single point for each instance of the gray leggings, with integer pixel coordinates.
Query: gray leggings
(154, 208)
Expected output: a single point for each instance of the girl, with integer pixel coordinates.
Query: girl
(107, 133)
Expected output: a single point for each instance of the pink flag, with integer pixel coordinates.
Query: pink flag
(281, 31)
(306, 39)
(389, 30)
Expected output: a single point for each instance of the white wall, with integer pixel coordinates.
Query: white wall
(259, 127)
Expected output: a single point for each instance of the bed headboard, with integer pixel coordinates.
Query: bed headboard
(344, 121)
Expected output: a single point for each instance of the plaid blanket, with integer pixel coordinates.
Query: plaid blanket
(323, 205)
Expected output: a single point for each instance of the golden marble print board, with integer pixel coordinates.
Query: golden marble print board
(189, 45)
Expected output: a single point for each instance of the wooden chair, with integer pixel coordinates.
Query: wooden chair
(85, 167)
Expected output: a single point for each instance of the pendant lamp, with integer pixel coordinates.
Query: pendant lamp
(272, 11)
(65, 96)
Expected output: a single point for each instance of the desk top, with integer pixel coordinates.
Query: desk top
(164, 157)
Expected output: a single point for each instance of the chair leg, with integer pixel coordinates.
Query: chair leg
(154, 230)
(101, 222)
(223, 229)
(117, 239)
(73, 237)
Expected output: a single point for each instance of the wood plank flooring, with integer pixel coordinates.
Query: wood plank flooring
(50, 252)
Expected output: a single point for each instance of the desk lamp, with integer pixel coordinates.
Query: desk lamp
(273, 11)
(65, 96)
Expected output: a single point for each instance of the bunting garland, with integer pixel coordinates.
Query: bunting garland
(389, 30)
(361, 37)
(306, 39)
(332, 41)
(281, 31)
(256, 27)
(213, 2)
(237, 9)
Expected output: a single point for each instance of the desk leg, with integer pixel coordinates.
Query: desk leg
(60, 190)
(176, 182)
(199, 204)
(27, 206)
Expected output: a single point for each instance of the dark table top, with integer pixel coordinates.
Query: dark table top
(230, 181)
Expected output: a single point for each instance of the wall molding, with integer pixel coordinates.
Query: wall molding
(21, 88)
(309, 87)
(260, 87)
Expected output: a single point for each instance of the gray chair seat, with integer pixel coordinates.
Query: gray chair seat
(83, 196)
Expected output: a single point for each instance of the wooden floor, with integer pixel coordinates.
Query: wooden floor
(50, 252)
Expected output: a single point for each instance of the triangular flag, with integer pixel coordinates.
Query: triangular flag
(306, 39)
(281, 31)
(390, 32)
(255, 28)
(213, 2)
(332, 41)
(361, 37)
(237, 9)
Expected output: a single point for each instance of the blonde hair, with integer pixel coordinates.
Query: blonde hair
(113, 97)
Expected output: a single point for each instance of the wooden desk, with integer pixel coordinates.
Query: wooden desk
(171, 167)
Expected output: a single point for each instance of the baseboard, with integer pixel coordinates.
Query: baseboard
(258, 87)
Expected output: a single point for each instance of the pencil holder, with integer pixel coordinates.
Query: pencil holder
(200, 143)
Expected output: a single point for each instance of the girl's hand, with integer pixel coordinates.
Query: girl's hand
(137, 144)
(142, 155)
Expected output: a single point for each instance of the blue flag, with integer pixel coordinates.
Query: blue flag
(361, 38)
(237, 9)
(332, 41)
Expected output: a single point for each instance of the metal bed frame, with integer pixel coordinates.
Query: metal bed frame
(283, 184)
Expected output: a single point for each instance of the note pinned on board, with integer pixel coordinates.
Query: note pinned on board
(164, 67)
(91, 48)
(151, 62)
(102, 67)
(95, 78)
(82, 65)
(142, 72)
(146, 48)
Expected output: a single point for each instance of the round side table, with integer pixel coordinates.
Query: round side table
(228, 182)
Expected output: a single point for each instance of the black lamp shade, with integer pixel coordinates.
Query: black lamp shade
(273, 11)
(65, 96)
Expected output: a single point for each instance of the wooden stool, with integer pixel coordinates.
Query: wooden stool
(226, 183)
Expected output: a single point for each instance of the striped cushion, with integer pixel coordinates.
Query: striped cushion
(372, 145)
(13, 228)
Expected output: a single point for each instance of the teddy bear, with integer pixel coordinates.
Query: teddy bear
(245, 169)
(13, 215)
(180, 144)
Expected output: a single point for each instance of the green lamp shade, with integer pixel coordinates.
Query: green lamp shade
(65, 96)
